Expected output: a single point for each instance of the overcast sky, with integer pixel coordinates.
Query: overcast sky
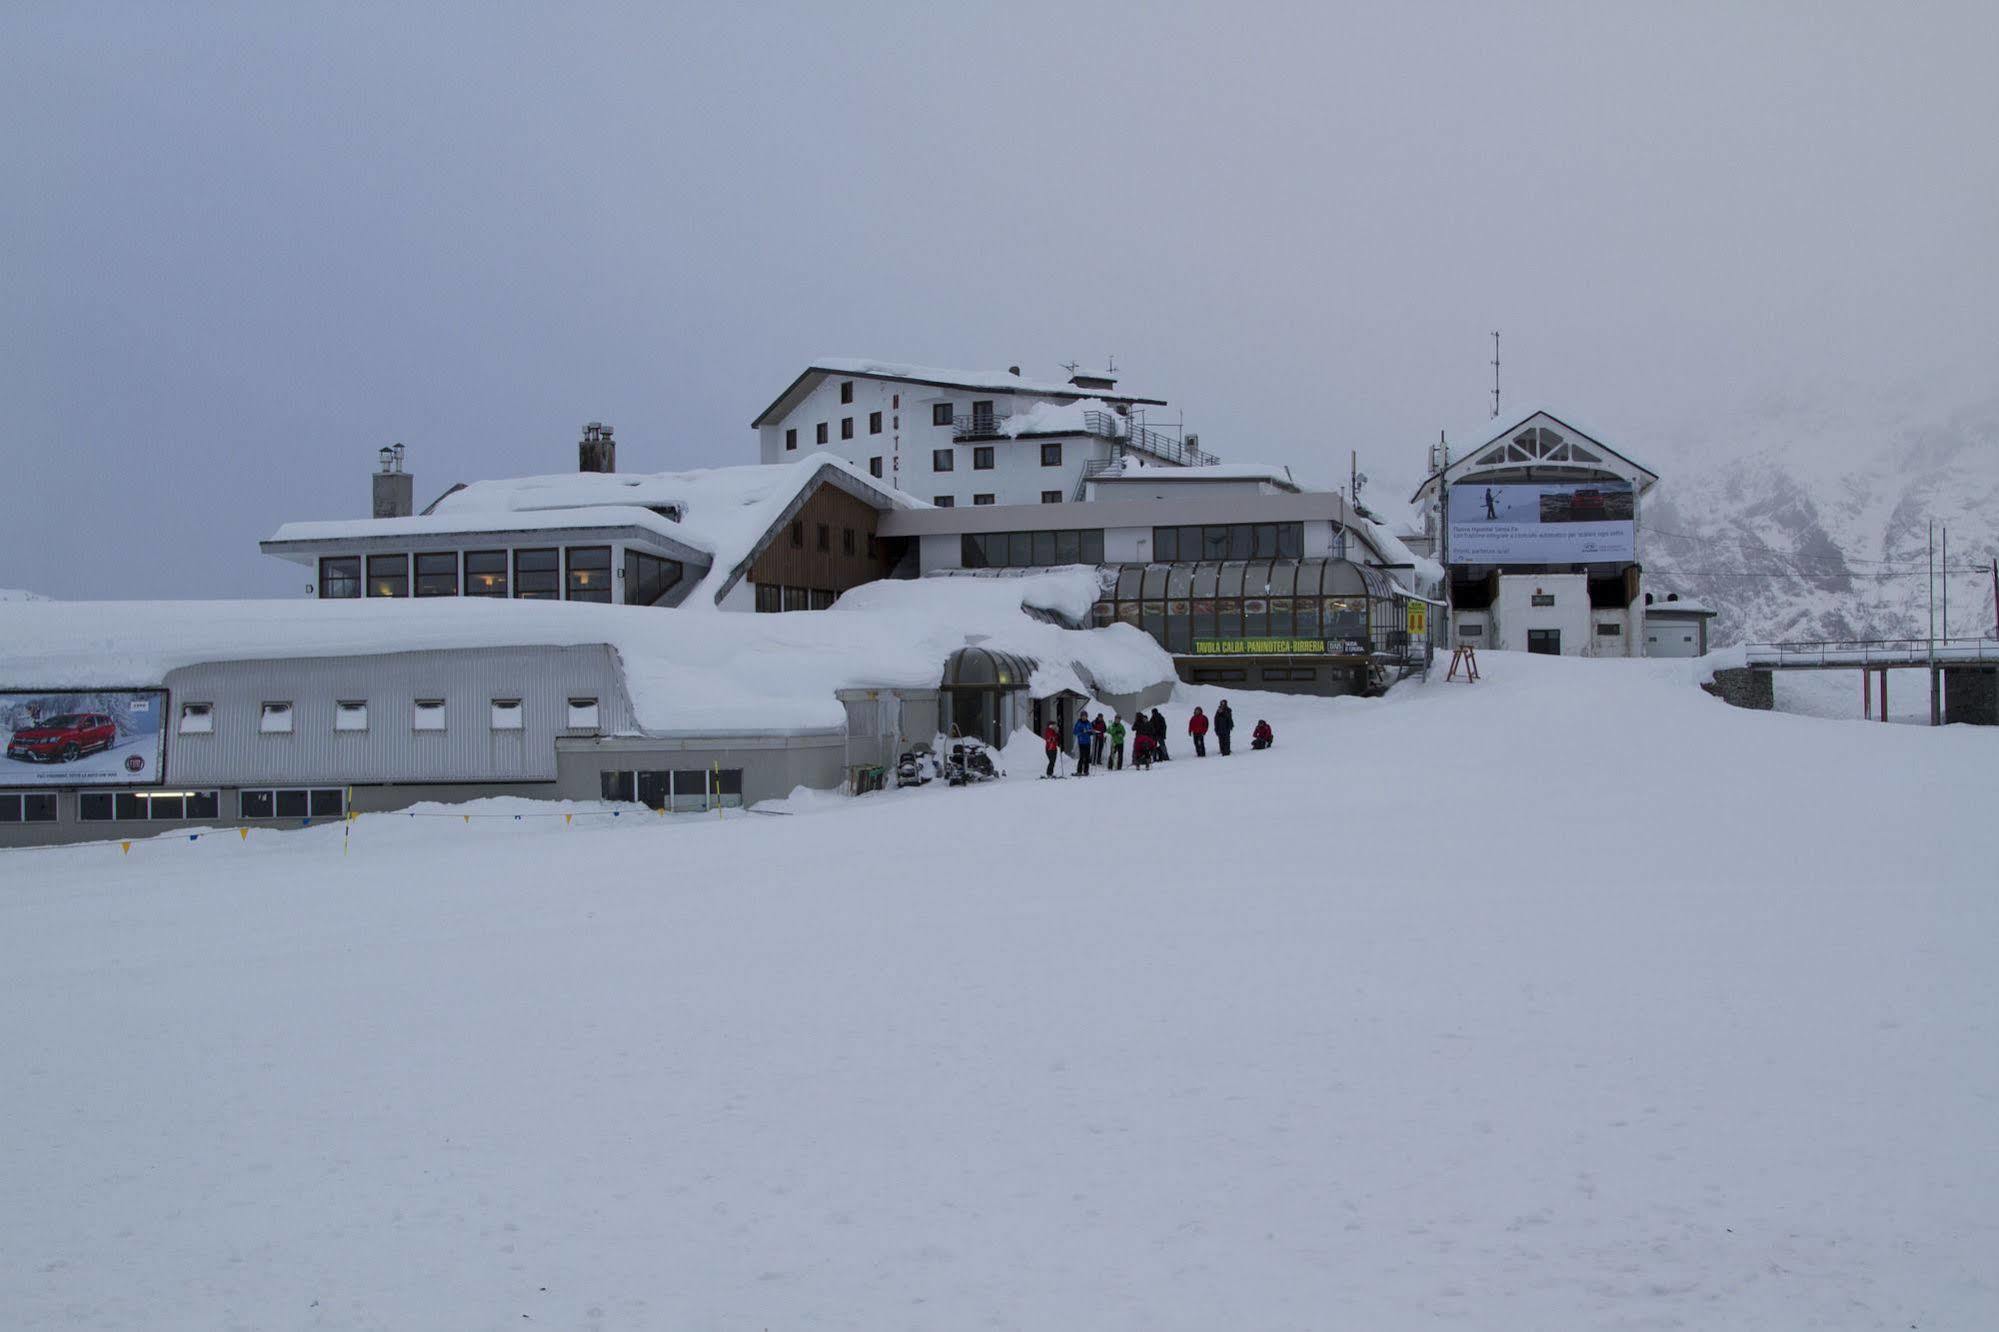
(243, 248)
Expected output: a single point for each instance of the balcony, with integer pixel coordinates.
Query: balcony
(1126, 433)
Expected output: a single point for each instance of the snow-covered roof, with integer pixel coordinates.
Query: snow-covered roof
(726, 513)
(985, 381)
(714, 673)
(1683, 606)
(1131, 468)
(1423, 571)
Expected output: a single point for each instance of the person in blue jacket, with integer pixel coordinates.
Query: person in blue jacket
(1084, 735)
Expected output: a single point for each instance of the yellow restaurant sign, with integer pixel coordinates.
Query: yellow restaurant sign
(1257, 647)
(1418, 618)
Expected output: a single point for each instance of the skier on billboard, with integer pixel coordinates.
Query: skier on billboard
(1490, 512)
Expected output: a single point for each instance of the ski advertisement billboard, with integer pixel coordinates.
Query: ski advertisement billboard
(1575, 523)
(83, 737)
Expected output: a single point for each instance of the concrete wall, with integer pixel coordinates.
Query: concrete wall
(1514, 613)
(1742, 688)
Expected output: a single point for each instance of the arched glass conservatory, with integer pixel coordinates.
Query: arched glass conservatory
(986, 692)
(1315, 607)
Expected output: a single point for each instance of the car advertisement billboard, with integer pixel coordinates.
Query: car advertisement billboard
(1575, 523)
(83, 737)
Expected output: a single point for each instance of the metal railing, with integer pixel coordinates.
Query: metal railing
(977, 425)
(1109, 425)
(1872, 652)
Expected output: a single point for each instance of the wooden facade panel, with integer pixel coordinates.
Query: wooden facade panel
(797, 557)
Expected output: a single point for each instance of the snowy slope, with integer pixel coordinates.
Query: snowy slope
(1808, 521)
(1257, 1043)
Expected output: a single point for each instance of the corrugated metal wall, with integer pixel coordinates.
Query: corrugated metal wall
(468, 749)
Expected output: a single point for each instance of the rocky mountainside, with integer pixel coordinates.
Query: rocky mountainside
(1814, 523)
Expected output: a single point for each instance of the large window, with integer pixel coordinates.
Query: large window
(942, 460)
(1232, 541)
(1026, 550)
(648, 578)
(485, 573)
(537, 575)
(388, 575)
(155, 806)
(437, 574)
(589, 573)
(323, 802)
(340, 577)
(1258, 608)
(27, 806)
(680, 791)
(1051, 453)
(846, 390)
(982, 458)
(940, 413)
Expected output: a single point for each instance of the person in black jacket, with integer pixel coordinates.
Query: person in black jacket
(1224, 723)
(1159, 737)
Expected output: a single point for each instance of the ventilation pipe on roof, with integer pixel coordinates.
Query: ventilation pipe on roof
(596, 452)
(1013, 370)
(395, 489)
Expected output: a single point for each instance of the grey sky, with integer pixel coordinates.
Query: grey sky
(245, 247)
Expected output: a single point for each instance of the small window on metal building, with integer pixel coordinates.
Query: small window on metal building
(582, 714)
(275, 719)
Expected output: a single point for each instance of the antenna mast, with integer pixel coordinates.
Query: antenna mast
(1495, 374)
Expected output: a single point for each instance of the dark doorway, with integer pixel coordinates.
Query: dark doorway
(1547, 641)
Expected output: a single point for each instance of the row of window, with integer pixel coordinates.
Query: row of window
(427, 714)
(1267, 674)
(773, 597)
(140, 806)
(1023, 550)
(822, 539)
(1228, 541)
(946, 460)
(846, 429)
(27, 806)
(981, 500)
(1342, 622)
(681, 791)
(574, 573)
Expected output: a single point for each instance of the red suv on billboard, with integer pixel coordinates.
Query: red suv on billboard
(63, 739)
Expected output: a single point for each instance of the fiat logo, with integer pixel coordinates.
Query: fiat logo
(135, 763)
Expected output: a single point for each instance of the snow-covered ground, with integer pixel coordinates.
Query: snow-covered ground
(1570, 999)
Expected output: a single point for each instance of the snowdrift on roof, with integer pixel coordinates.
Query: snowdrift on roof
(707, 673)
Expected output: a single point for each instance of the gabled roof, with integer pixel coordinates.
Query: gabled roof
(725, 515)
(977, 381)
(1578, 448)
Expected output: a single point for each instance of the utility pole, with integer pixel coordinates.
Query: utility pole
(1496, 375)
(1936, 703)
(1995, 598)
(1945, 561)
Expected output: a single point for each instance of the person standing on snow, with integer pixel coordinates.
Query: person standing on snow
(1053, 739)
(1141, 744)
(1116, 734)
(1490, 513)
(1224, 726)
(1097, 730)
(1197, 726)
(1159, 738)
(1084, 735)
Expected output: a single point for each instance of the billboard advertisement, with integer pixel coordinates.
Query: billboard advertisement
(1572, 523)
(83, 737)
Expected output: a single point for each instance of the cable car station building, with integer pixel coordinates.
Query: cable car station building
(1537, 527)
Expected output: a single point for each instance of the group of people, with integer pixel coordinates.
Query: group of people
(1094, 738)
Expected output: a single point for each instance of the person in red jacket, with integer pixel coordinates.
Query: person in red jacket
(1053, 739)
(1261, 737)
(1197, 726)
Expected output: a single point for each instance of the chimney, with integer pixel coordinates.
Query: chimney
(596, 453)
(1013, 370)
(395, 489)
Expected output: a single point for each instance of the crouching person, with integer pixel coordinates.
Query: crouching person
(1262, 737)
